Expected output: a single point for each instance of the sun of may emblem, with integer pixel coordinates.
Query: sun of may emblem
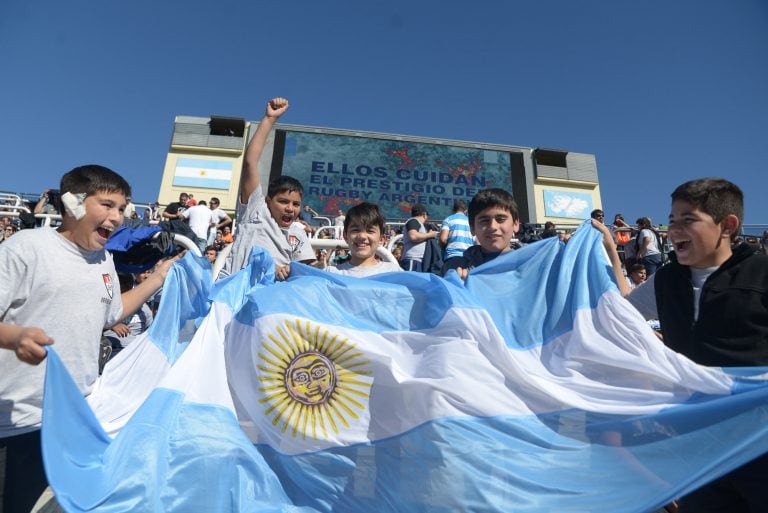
(313, 381)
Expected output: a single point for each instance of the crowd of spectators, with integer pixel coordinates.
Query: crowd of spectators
(640, 243)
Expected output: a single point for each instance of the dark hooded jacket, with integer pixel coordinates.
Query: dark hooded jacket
(732, 327)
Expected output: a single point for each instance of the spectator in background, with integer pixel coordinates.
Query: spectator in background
(455, 235)
(308, 214)
(152, 213)
(321, 255)
(764, 242)
(200, 219)
(130, 209)
(636, 275)
(621, 230)
(549, 230)
(124, 332)
(174, 210)
(218, 242)
(48, 204)
(338, 223)
(226, 235)
(647, 246)
(621, 234)
(7, 232)
(191, 202)
(131, 218)
(154, 300)
(307, 218)
(630, 250)
(340, 256)
(220, 217)
(415, 237)
(211, 254)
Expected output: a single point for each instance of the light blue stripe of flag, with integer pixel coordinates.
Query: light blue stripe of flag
(204, 163)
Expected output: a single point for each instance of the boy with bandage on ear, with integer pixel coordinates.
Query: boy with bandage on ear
(59, 285)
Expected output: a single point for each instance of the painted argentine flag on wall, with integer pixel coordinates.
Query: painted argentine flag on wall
(204, 173)
(535, 387)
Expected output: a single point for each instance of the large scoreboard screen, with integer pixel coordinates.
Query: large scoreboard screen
(339, 171)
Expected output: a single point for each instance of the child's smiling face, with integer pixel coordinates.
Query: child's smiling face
(698, 240)
(103, 215)
(363, 242)
(494, 228)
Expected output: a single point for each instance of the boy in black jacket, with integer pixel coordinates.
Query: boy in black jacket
(712, 302)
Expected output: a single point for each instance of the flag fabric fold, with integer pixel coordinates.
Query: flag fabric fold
(531, 387)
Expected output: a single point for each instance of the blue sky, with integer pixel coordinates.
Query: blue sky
(660, 91)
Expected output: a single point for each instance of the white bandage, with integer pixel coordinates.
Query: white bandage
(74, 204)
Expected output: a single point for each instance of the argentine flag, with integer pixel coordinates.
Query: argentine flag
(531, 387)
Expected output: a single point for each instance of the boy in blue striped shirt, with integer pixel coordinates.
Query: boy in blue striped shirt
(455, 234)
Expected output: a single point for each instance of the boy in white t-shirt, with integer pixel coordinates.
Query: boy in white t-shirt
(200, 219)
(58, 285)
(364, 229)
(221, 218)
(266, 221)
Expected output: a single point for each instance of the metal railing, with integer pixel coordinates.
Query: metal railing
(11, 199)
(13, 209)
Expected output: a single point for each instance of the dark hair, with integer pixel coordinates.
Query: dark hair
(636, 267)
(596, 212)
(126, 281)
(202, 202)
(459, 206)
(284, 184)
(215, 199)
(549, 225)
(54, 199)
(488, 198)
(418, 210)
(209, 248)
(91, 179)
(714, 196)
(367, 215)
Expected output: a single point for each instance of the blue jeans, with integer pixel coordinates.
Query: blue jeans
(651, 263)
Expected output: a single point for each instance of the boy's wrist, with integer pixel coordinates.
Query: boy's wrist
(9, 336)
